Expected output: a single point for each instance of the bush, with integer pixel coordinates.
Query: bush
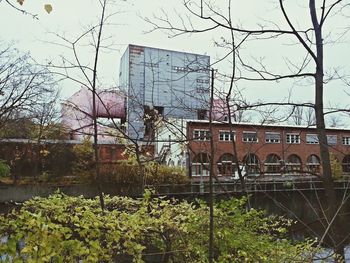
(162, 174)
(336, 167)
(74, 229)
(84, 159)
(4, 169)
(128, 172)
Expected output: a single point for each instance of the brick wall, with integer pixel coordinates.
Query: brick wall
(260, 148)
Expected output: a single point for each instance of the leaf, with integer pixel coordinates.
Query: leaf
(47, 7)
(20, 2)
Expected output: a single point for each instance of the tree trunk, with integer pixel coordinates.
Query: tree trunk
(331, 202)
(320, 123)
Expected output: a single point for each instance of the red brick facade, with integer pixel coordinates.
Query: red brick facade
(274, 148)
(112, 152)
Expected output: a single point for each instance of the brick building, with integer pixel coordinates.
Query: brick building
(263, 149)
(29, 158)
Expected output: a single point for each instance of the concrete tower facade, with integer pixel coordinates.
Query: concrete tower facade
(175, 84)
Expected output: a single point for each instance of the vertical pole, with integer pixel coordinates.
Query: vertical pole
(212, 160)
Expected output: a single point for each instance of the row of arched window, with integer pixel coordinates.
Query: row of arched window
(273, 164)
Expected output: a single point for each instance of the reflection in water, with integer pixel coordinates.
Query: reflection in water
(308, 209)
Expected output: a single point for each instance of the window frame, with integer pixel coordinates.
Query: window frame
(254, 166)
(199, 169)
(230, 135)
(250, 132)
(310, 141)
(330, 136)
(314, 167)
(293, 167)
(226, 167)
(291, 141)
(272, 167)
(346, 164)
(279, 140)
(345, 140)
(204, 137)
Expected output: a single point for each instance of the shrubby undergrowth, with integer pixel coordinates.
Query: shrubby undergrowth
(62, 228)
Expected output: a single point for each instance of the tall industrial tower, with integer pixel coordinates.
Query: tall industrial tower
(175, 84)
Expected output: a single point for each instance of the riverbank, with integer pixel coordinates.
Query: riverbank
(23, 192)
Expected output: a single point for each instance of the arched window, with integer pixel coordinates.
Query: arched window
(346, 164)
(200, 165)
(293, 164)
(226, 165)
(251, 162)
(272, 163)
(313, 164)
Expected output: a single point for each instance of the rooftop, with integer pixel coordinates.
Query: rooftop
(272, 125)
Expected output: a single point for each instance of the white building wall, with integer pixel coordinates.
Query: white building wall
(171, 143)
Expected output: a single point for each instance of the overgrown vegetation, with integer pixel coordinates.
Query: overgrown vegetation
(4, 169)
(61, 228)
(127, 172)
(84, 159)
(337, 170)
(66, 163)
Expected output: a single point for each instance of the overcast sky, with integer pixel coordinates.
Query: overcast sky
(71, 17)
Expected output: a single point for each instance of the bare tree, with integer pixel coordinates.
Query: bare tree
(85, 72)
(24, 85)
(45, 117)
(19, 8)
(79, 71)
(310, 67)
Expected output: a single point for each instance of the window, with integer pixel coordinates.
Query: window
(226, 136)
(346, 164)
(293, 138)
(293, 164)
(251, 162)
(272, 137)
(203, 70)
(200, 165)
(179, 69)
(226, 165)
(332, 139)
(202, 81)
(250, 137)
(152, 65)
(311, 139)
(346, 140)
(201, 135)
(313, 164)
(201, 114)
(201, 89)
(159, 110)
(272, 164)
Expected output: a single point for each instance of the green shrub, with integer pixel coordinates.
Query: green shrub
(128, 172)
(61, 228)
(337, 170)
(162, 174)
(4, 169)
(84, 159)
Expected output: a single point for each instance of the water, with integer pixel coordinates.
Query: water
(307, 209)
